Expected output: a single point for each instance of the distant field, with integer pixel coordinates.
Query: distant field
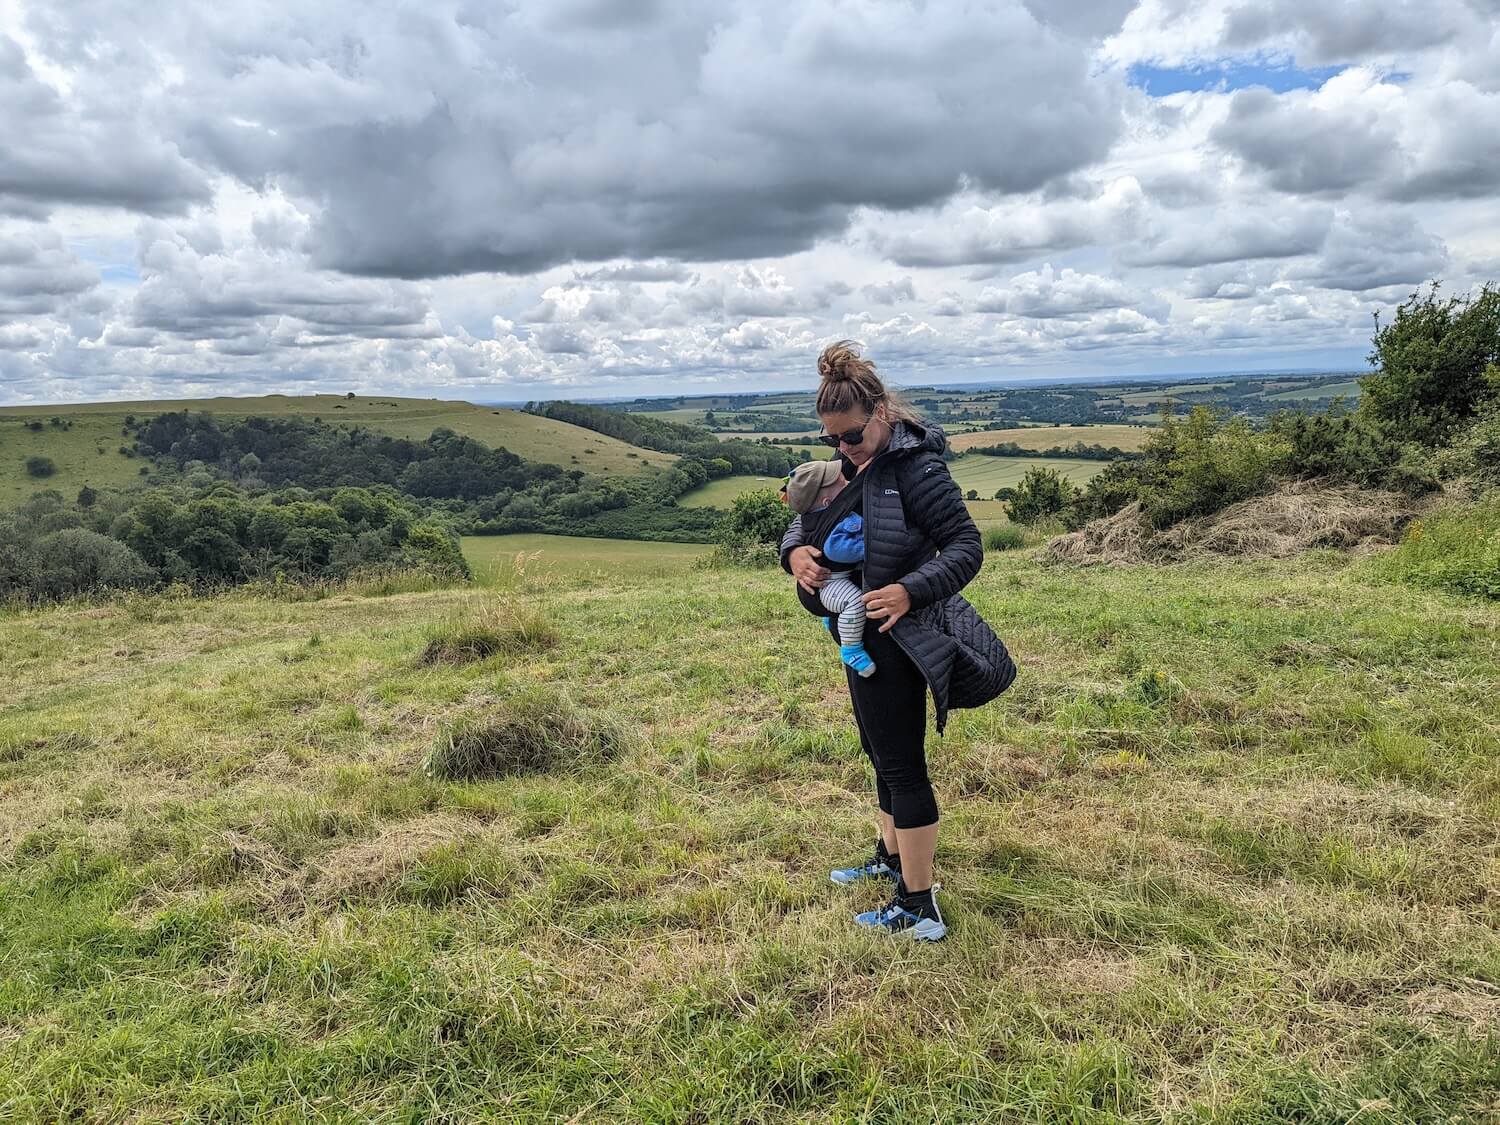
(987, 474)
(1045, 437)
(1349, 389)
(721, 493)
(494, 558)
(988, 513)
(983, 474)
(97, 426)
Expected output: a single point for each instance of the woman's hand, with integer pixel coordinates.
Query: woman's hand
(808, 572)
(891, 602)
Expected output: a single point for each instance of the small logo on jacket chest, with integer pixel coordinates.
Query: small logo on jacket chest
(892, 492)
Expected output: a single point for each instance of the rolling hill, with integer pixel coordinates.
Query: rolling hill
(88, 452)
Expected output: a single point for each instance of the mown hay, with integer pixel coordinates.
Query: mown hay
(485, 631)
(371, 867)
(1297, 517)
(535, 732)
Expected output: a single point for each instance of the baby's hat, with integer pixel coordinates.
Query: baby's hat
(808, 479)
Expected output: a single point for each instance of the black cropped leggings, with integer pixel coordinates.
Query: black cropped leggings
(890, 709)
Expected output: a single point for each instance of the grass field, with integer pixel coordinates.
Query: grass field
(1349, 389)
(721, 493)
(1128, 438)
(97, 425)
(1226, 852)
(985, 475)
(504, 560)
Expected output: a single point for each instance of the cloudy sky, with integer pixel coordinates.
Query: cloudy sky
(549, 198)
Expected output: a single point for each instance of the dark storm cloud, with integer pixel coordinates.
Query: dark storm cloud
(434, 144)
(72, 149)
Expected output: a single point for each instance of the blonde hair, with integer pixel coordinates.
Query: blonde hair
(848, 380)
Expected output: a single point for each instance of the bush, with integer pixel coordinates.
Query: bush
(39, 466)
(754, 517)
(527, 733)
(78, 561)
(1006, 537)
(490, 630)
(1456, 549)
(1431, 365)
(756, 556)
(1041, 493)
(1474, 455)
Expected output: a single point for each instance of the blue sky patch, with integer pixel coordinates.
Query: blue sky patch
(1159, 81)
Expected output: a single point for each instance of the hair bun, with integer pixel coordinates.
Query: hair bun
(840, 362)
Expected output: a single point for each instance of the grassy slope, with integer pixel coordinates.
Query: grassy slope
(509, 558)
(98, 425)
(75, 452)
(1226, 848)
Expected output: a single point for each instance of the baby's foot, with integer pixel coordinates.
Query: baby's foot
(857, 658)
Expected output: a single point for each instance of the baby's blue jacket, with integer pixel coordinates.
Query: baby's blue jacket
(846, 542)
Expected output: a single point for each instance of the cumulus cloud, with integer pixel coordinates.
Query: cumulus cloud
(543, 197)
(1048, 293)
(38, 274)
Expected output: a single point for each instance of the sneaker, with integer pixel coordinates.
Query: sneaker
(895, 917)
(857, 658)
(873, 868)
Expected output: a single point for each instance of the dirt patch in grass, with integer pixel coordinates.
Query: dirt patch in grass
(1297, 517)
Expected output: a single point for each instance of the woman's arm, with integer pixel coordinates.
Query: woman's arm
(935, 506)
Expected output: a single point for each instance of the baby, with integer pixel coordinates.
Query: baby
(810, 492)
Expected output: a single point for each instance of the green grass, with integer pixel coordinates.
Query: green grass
(507, 559)
(1224, 853)
(986, 475)
(721, 493)
(97, 426)
(86, 454)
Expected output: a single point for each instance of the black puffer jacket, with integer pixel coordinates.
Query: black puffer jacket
(919, 532)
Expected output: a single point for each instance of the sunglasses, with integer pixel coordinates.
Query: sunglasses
(848, 437)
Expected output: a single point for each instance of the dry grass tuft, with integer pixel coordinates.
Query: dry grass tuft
(490, 629)
(1298, 517)
(534, 732)
(365, 870)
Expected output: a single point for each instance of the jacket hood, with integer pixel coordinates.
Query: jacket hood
(916, 437)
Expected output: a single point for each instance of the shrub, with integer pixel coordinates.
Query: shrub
(1042, 493)
(1006, 537)
(754, 517)
(1456, 549)
(492, 629)
(1475, 453)
(75, 561)
(532, 732)
(1431, 365)
(757, 556)
(39, 466)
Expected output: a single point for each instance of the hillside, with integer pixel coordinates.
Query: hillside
(1226, 851)
(1128, 438)
(88, 453)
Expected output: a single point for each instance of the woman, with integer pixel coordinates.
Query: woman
(921, 548)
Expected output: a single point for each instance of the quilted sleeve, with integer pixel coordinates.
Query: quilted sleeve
(935, 506)
(790, 542)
